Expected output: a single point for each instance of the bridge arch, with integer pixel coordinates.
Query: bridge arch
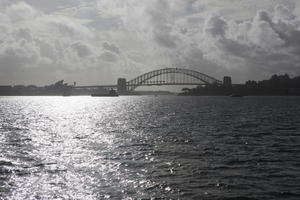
(144, 79)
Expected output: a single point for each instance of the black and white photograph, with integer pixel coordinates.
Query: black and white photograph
(149, 99)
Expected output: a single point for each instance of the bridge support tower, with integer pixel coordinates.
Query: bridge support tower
(227, 81)
(122, 86)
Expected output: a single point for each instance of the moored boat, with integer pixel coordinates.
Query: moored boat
(104, 95)
(112, 93)
(236, 95)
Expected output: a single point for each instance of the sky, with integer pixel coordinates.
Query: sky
(98, 41)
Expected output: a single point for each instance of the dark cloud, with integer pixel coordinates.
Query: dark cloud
(81, 49)
(165, 40)
(161, 24)
(111, 47)
(216, 26)
(109, 57)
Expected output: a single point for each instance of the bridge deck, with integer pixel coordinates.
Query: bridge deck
(95, 86)
(145, 84)
(160, 84)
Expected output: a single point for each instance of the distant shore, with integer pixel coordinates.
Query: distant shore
(277, 85)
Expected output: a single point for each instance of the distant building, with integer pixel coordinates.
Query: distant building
(122, 86)
(227, 81)
(6, 90)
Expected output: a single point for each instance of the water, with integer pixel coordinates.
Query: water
(149, 147)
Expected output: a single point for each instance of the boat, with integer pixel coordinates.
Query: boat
(67, 93)
(104, 95)
(112, 93)
(236, 95)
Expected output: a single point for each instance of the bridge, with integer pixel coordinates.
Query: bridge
(166, 76)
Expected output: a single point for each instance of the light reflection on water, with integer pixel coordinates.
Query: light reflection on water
(142, 147)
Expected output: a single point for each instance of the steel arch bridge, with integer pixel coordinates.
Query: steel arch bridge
(171, 76)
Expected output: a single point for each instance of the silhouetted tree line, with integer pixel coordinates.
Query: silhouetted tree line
(276, 85)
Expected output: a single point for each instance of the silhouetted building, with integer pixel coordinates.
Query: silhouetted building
(6, 90)
(122, 88)
(227, 81)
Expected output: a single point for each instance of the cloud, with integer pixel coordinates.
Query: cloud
(257, 47)
(34, 41)
(21, 12)
(111, 47)
(109, 57)
(83, 50)
(65, 39)
(268, 42)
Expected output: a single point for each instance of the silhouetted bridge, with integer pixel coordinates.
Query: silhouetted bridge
(166, 76)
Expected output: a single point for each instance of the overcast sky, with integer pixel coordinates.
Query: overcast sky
(97, 41)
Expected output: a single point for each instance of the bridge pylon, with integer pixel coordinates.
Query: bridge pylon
(122, 86)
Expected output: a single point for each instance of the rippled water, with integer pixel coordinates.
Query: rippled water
(149, 147)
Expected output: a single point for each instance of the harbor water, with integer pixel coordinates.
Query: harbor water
(147, 147)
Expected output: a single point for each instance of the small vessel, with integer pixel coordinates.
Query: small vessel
(67, 93)
(112, 93)
(236, 95)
